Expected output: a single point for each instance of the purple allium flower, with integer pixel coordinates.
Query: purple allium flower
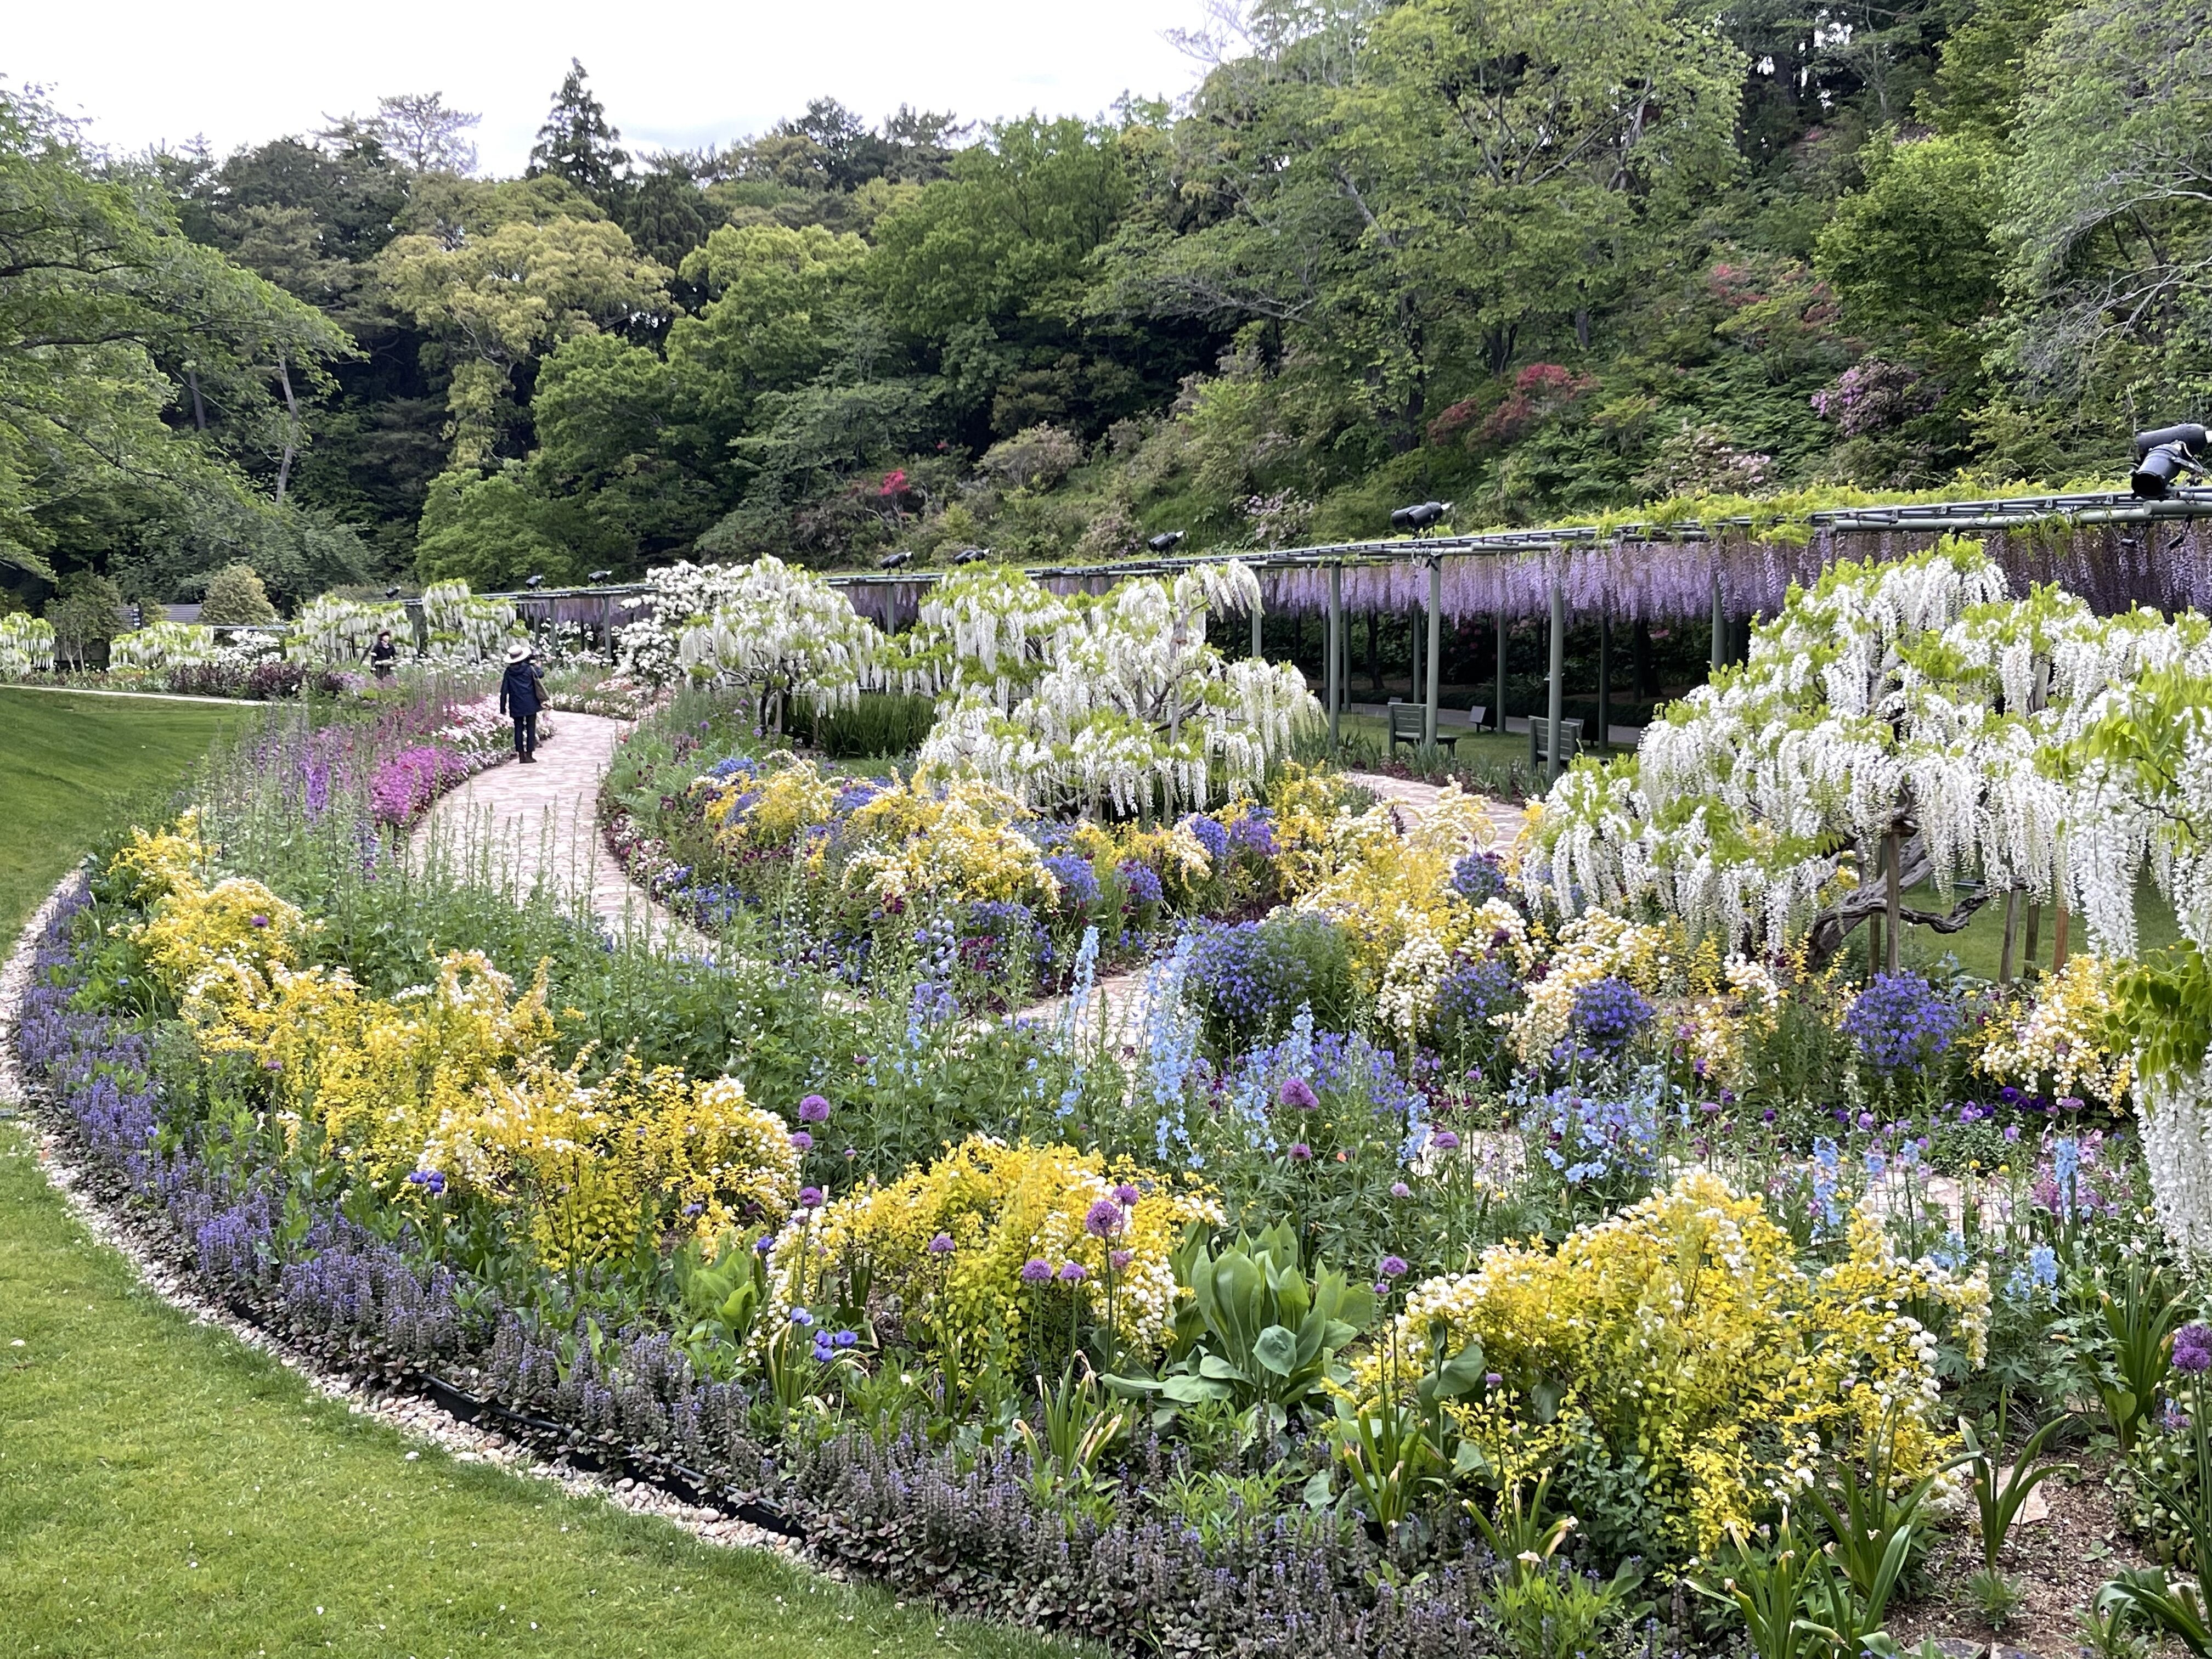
(1444, 1141)
(2192, 1350)
(1120, 1259)
(1104, 1220)
(1300, 1152)
(1492, 1379)
(1400, 1189)
(1071, 1272)
(1126, 1194)
(1393, 1267)
(810, 1198)
(1036, 1271)
(1298, 1093)
(801, 1141)
(941, 1245)
(813, 1109)
(258, 920)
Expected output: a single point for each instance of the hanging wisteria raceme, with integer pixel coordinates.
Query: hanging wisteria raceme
(782, 631)
(988, 630)
(165, 645)
(330, 631)
(462, 627)
(1137, 710)
(2114, 567)
(26, 646)
(1910, 699)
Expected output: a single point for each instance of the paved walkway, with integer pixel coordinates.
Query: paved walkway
(1411, 798)
(151, 696)
(540, 824)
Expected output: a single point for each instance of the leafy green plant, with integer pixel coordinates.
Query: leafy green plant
(1875, 1528)
(2145, 1598)
(1999, 1494)
(1388, 1456)
(1257, 1330)
(2138, 1322)
(1766, 1583)
(721, 1294)
(1546, 1608)
(1077, 1421)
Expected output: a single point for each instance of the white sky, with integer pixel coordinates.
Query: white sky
(241, 71)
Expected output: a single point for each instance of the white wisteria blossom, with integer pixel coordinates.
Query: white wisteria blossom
(165, 645)
(330, 631)
(781, 632)
(987, 629)
(26, 646)
(462, 627)
(1910, 702)
(1135, 709)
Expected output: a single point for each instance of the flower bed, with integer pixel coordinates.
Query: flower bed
(1398, 1216)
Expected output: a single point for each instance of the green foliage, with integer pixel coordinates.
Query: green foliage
(235, 595)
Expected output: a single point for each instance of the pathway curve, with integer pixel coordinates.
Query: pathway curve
(540, 822)
(1410, 796)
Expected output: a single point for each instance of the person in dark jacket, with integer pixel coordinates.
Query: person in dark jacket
(381, 657)
(521, 694)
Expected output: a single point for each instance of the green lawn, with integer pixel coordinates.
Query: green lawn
(164, 1490)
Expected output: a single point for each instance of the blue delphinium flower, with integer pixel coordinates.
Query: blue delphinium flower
(2038, 1273)
(1478, 875)
(1827, 1176)
(1607, 1012)
(1212, 834)
(1078, 882)
(1900, 1023)
(2065, 1165)
(1597, 1134)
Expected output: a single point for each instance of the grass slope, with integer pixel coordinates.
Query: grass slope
(165, 1491)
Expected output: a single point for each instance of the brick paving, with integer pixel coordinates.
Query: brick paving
(540, 822)
(1410, 796)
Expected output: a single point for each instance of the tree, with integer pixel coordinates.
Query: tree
(109, 315)
(235, 596)
(86, 610)
(576, 143)
(500, 298)
(422, 132)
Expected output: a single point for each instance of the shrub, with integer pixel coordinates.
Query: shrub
(1678, 1355)
(235, 597)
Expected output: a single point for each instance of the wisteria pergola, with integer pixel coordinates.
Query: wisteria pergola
(2112, 549)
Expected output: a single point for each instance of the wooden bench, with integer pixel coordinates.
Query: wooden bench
(1540, 741)
(1409, 725)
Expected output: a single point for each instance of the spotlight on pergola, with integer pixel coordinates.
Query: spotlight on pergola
(533, 582)
(599, 575)
(2163, 456)
(1166, 541)
(897, 561)
(391, 592)
(970, 555)
(1421, 516)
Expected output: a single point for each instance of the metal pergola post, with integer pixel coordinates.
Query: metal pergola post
(1337, 654)
(1720, 623)
(1605, 679)
(1558, 687)
(1258, 654)
(1436, 642)
(1499, 713)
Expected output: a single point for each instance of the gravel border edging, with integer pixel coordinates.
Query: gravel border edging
(413, 1416)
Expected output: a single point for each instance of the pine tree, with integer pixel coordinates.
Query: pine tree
(576, 143)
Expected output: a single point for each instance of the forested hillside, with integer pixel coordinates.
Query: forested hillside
(1538, 258)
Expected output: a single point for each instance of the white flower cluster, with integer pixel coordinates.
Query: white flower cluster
(676, 596)
(462, 627)
(330, 632)
(780, 629)
(26, 646)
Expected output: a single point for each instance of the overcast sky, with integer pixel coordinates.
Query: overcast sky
(240, 71)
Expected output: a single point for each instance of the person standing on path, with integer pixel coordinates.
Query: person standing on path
(521, 694)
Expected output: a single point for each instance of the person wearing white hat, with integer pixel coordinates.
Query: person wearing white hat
(521, 694)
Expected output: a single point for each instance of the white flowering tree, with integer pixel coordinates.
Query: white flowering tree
(1906, 707)
(462, 627)
(330, 632)
(987, 629)
(677, 597)
(1135, 710)
(165, 645)
(781, 632)
(26, 646)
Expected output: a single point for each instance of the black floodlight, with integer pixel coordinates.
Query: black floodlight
(897, 561)
(533, 582)
(1421, 516)
(391, 592)
(1166, 541)
(2163, 456)
(599, 575)
(970, 555)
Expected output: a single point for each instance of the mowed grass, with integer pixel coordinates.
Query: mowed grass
(166, 1490)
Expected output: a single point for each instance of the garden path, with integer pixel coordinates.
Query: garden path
(1411, 798)
(543, 824)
